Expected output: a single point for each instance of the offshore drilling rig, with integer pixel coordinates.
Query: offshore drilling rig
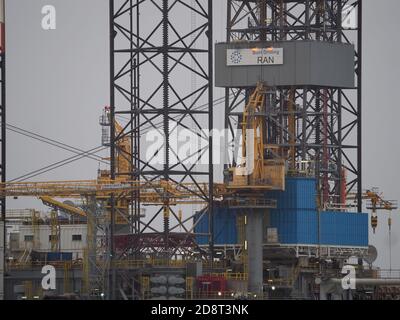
(287, 216)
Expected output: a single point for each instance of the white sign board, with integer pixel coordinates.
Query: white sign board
(254, 57)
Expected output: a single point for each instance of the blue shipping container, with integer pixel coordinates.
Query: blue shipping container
(295, 226)
(344, 229)
(296, 218)
(335, 228)
(296, 213)
(224, 226)
(300, 193)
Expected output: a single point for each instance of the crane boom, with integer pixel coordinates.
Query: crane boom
(150, 192)
(261, 167)
(51, 202)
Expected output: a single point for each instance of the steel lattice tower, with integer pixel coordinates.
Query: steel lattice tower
(327, 121)
(3, 112)
(153, 56)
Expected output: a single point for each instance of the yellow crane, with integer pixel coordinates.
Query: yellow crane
(378, 203)
(150, 192)
(92, 191)
(100, 190)
(375, 204)
(259, 169)
(51, 202)
(123, 163)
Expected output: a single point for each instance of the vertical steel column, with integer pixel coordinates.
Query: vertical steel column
(211, 126)
(359, 105)
(165, 57)
(340, 187)
(136, 148)
(227, 90)
(3, 120)
(132, 80)
(254, 236)
(112, 284)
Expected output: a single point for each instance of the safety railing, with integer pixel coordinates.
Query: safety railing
(124, 264)
(230, 276)
(39, 264)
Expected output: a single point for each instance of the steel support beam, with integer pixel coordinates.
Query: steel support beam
(3, 157)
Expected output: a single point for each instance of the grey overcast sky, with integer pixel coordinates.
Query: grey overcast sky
(57, 85)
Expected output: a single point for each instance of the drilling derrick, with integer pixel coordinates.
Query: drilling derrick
(277, 67)
(317, 119)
